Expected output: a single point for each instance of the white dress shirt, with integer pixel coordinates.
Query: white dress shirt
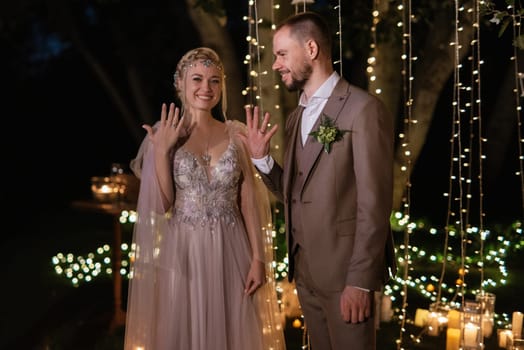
(313, 106)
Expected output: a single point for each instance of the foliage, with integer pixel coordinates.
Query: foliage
(504, 18)
(465, 268)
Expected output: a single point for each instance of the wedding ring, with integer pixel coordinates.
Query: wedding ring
(260, 131)
(173, 125)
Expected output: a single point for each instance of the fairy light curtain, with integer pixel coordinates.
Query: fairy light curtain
(407, 88)
(254, 89)
(466, 142)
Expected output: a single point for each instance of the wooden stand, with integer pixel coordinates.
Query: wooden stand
(113, 209)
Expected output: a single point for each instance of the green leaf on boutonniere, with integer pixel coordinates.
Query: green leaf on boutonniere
(327, 133)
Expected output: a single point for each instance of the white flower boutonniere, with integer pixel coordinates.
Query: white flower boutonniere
(327, 133)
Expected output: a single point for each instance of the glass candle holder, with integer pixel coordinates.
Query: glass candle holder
(437, 318)
(517, 344)
(505, 338)
(487, 306)
(472, 333)
(516, 324)
(103, 189)
(119, 177)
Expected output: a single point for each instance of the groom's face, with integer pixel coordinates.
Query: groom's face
(290, 60)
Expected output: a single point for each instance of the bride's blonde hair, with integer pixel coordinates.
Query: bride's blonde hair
(206, 57)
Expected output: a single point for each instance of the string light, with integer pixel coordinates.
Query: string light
(86, 268)
(500, 246)
(407, 84)
(476, 118)
(338, 8)
(516, 21)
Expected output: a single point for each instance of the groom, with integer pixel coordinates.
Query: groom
(336, 184)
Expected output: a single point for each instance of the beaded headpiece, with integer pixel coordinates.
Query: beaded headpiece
(191, 59)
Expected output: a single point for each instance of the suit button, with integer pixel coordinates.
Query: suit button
(293, 201)
(300, 173)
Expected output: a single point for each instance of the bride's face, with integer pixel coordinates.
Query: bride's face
(202, 86)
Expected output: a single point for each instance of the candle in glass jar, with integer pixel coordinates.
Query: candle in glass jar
(433, 324)
(505, 337)
(470, 335)
(516, 324)
(103, 189)
(386, 312)
(487, 326)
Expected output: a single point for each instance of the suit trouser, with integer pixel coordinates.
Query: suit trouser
(324, 324)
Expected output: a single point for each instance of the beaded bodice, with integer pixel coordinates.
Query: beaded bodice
(206, 193)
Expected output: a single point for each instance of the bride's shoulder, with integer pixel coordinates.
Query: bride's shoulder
(235, 126)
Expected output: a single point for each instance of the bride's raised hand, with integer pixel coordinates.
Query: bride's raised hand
(168, 130)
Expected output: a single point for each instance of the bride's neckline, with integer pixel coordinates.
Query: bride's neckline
(200, 160)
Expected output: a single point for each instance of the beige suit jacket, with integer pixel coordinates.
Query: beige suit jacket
(346, 196)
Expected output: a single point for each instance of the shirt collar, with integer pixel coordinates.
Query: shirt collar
(322, 93)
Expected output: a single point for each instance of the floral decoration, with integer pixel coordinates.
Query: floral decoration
(327, 133)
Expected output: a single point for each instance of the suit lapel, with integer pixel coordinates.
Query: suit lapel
(332, 109)
(289, 157)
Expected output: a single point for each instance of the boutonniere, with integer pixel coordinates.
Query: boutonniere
(327, 133)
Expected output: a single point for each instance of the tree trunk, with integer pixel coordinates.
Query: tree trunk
(214, 35)
(274, 98)
(435, 66)
(387, 68)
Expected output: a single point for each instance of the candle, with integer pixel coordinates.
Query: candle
(103, 189)
(454, 319)
(470, 335)
(453, 339)
(516, 324)
(487, 326)
(505, 337)
(386, 313)
(421, 317)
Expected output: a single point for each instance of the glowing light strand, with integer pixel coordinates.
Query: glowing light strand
(476, 115)
(339, 33)
(519, 92)
(259, 68)
(456, 164)
(407, 84)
